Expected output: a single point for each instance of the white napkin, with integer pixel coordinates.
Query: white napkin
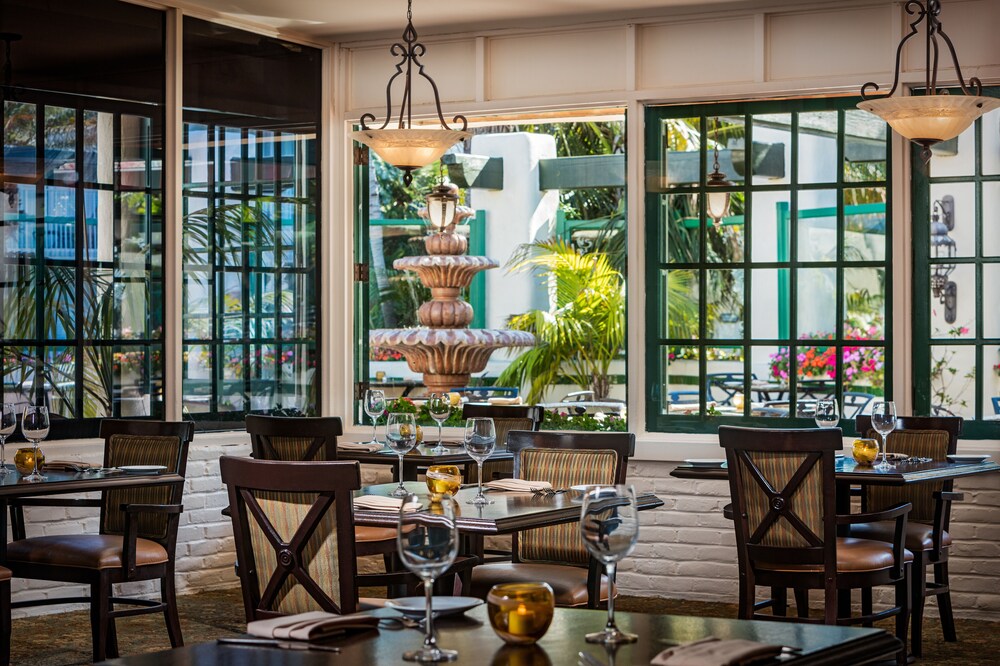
(517, 485)
(713, 652)
(359, 446)
(505, 401)
(313, 626)
(381, 503)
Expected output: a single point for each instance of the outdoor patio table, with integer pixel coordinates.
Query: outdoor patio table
(420, 457)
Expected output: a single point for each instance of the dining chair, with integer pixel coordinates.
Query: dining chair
(556, 554)
(136, 540)
(784, 508)
(927, 535)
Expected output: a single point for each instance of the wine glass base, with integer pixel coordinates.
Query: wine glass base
(3, 470)
(33, 477)
(430, 655)
(400, 492)
(480, 500)
(884, 466)
(611, 637)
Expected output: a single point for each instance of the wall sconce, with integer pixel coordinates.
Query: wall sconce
(943, 247)
(934, 116)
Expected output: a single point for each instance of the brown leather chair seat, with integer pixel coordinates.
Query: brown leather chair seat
(919, 536)
(364, 534)
(5, 574)
(90, 551)
(568, 583)
(852, 555)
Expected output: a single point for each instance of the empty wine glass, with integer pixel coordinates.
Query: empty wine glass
(35, 428)
(439, 407)
(8, 422)
(884, 422)
(374, 408)
(609, 524)
(400, 436)
(480, 440)
(827, 413)
(427, 541)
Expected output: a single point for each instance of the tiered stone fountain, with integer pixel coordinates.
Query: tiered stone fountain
(444, 348)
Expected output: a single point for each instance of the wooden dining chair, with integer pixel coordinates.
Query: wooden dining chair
(136, 541)
(556, 554)
(927, 535)
(784, 509)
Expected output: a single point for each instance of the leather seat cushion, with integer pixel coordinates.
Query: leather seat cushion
(5, 574)
(852, 555)
(918, 535)
(86, 551)
(568, 583)
(364, 534)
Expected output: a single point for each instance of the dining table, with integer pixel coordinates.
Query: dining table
(420, 457)
(562, 645)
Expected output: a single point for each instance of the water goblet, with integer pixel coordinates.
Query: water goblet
(374, 408)
(827, 413)
(427, 541)
(400, 436)
(609, 524)
(439, 407)
(35, 428)
(8, 422)
(480, 440)
(884, 422)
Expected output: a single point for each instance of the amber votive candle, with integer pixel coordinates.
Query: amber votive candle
(520, 613)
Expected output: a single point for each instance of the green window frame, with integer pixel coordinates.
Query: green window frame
(946, 356)
(793, 200)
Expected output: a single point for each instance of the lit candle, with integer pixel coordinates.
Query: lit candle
(521, 621)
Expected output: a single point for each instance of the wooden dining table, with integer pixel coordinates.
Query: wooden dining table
(476, 643)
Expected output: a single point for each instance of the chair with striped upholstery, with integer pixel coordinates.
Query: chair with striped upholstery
(927, 534)
(556, 554)
(505, 419)
(136, 540)
(784, 508)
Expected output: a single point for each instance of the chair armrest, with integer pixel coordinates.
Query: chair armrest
(948, 496)
(897, 513)
(942, 513)
(152, 508)
(54, 501)
(173, 513)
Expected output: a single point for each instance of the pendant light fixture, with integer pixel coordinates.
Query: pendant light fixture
(716, 198)
(934, 116)
(404, 146)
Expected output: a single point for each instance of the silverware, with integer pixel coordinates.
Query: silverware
(586, 659)
(276, 643)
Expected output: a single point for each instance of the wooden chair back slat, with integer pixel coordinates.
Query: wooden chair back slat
(294, 438)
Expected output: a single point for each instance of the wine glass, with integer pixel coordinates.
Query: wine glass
(884, 422)
(35, 428)
(427, 541)
(8, 422)
(439, 407)
(401, 435)
(374, 408)
(480, 440)
(609, 524)
(827, 413)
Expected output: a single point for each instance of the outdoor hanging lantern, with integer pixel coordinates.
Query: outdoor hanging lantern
(441, 203)
(403, 146)
(7, 93)
(717, 200)
(934, 116)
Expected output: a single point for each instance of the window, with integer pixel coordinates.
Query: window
(782, 301)
(956, 205)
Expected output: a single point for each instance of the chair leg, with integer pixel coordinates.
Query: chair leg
(747, 598)
(802, 602)
(918, 598)
(866, 605)
(779, 601)
(169, 597)
(5, 623)
(903, 586)
(944, 603)
(100, 604)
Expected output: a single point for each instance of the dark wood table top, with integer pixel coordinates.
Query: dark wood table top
(477, 644)
(56, 483)
(509, 512)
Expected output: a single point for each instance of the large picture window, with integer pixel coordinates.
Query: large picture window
(781, 300)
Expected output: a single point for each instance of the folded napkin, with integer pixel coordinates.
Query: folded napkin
(505, 401)
(68, 466)
(517, 485)
(381, 503)
(713, 652)
(359, 446)
(313, 626)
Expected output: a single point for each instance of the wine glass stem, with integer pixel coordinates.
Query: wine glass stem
(429, 640)
(3, 454)
(440, 423)
(375, 430)
(34, 446)
(611, 566)
(401, 470)
(479, 466)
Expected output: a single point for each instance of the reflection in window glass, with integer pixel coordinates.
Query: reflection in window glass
(953, 380)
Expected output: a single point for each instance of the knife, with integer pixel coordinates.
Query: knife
(275, 643)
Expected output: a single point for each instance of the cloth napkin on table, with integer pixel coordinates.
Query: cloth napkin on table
(312, 626)
(381, 503)
(359, 446)
(67, 466)
(517, 485)
(714, 652)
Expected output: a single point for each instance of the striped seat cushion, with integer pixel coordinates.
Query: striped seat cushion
(925, 444)
(294, 448)
(140, 450)
(806, 502)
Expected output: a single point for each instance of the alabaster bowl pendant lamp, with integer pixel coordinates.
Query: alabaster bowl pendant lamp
(934, 116)
(402, 145)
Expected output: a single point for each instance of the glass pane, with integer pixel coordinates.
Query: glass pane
(953, 205)
(772, 139)
(864, 224)
(953, 380)
(724, 380)
(681, 392)
(725, 241)
(98, 147)
(769, 368)
(197, 165)
(991, 382)
(99, 225)
(197, 369)
(864, 147)
(681, 162)
(59, 294)
(20, 138)
(60, 144)
(231, 306)
(19, 222)
(991, 143)
(816, 303)
(99, 305)
(953, 301)
(771, 228)
(769, 303)
(228, 153)
(956, 157)
(864, 303)
(58, 381)
(680, 293)
(60, 223)
(864, 376)
(725, 304)
(18, 374)
(991, 296)
(727, 134)
(817, 147)
(817, 225)
(681, 229)
(19, 292)
(991, 213)
(197, 304)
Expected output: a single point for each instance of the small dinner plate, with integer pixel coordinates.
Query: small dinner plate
(142, 469)
(705, 462)
(967, 458)
(415, 606)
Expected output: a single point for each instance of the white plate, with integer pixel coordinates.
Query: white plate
(839, 454)
(142, 469)
(956, 458)
(705, 462)
(415, 606)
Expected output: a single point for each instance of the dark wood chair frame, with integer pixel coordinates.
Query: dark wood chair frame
(102, 600)
(5, 622)
(818, 447)
(936, 557)
(324, 430)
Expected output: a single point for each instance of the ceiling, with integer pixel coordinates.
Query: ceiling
(352, 20)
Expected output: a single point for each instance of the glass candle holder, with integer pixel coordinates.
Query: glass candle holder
(24, 460)
(520, 613)
(865, 451)
(443, 481)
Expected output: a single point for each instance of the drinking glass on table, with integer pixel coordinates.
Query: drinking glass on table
(480, 440)
(8, 422)
(427, 541)
(884, 422)
(35, 428)
(400, 436)
(827, 413)
(374, 408)
(609, 524)
(439, 407)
